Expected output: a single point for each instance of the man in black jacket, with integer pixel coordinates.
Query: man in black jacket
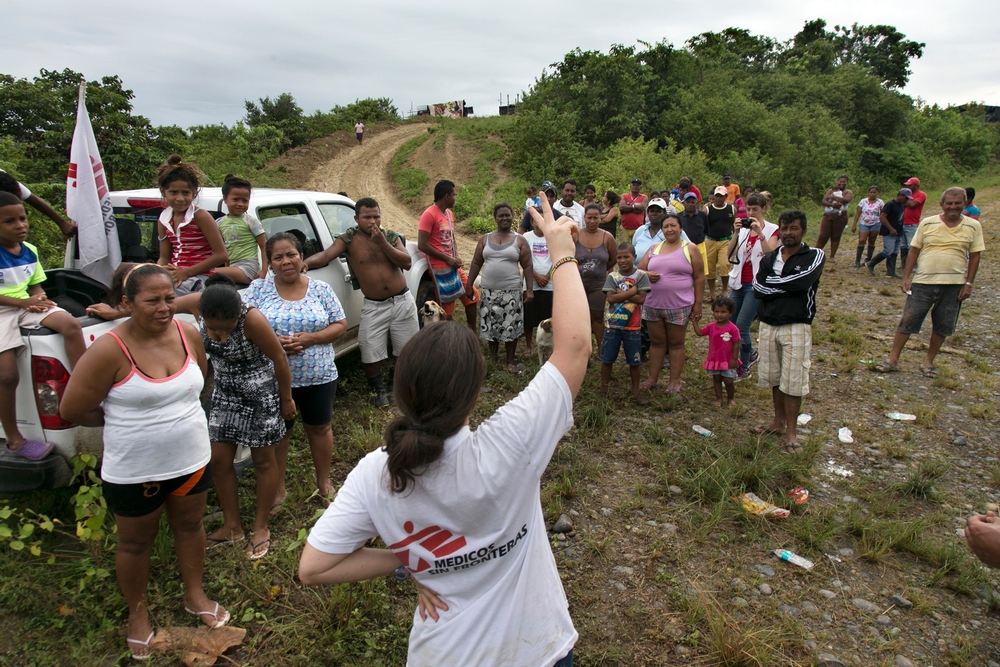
(785, 285)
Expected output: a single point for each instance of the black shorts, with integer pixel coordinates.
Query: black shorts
(941, 301)
(314, 403)
(144, 498)
(538, 309)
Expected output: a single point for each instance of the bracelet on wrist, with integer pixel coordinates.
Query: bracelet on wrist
(401, 573)
(969, 284)
(565, 260)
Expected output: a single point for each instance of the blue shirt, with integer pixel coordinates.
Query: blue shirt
(19, 272)
(642, 241)
(317, 310)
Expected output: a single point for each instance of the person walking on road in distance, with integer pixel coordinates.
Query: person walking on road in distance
(359, 131)
(568, 204)
(721, 217)
(912, 216)
(436, 239)
(786, 285)
(835, 210)
(499, 255)
(940, 271)
(633, 209)
(868, 212)
(377, 258)
(10, 184)
(460, 509)
(891, 231)
(732, 189)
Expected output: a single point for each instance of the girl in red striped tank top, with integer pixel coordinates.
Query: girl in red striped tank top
(191, 246)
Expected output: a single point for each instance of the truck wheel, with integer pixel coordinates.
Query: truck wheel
(424, 294)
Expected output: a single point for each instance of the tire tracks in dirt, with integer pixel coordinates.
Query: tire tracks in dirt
(364, 171)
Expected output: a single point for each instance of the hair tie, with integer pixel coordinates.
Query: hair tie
(416, 427)
(178, 164)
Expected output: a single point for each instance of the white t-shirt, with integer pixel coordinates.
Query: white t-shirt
(472, 530)
(359, 128)
(25, 192)
(541, 263)
(575, 211)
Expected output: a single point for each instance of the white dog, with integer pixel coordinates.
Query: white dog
(431, 312)
(543, 338)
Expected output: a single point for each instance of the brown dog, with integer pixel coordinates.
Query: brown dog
(431, 312)
(543, 338)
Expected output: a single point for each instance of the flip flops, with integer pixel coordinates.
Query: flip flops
(885, 367)
(144, 644)
(253, 549)
(928, 371)
(33, 450)
(214, 614)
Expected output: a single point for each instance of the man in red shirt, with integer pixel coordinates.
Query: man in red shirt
(633, 210)
(436, 239)
(912, 214)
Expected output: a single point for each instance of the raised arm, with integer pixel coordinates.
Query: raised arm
(570, 313)
(42, 206)
(321, 259)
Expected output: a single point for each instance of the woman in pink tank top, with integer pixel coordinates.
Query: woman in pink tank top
(677, 277)
(142, 383)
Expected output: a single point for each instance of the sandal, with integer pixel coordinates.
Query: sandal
(792, 449)
(214, 614)
(145, 644)
(647, 385)
(885, 367)
(928, 371)
(253, 549)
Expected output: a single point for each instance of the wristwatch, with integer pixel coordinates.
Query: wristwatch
(401, 573)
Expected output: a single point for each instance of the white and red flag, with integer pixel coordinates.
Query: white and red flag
(87, 201)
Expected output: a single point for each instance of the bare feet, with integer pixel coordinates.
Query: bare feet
(718, 402)
(732, 403)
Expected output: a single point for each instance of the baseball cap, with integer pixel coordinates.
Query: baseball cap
(658, 202)
(547, 185)
(720, 191)
(689, 195)
(729, 176)
(637, 180)
(906, 192)
(913, 181)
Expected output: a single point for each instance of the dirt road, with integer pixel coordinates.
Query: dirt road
(363, 171)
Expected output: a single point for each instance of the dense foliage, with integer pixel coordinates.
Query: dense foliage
(786, 116)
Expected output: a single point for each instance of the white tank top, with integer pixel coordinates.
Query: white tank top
(155, 430)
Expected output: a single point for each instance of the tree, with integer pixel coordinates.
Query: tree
(40, 116)
(736, 47)
(881, 48)
(282, 113)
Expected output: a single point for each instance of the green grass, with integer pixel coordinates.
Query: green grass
(410, 181)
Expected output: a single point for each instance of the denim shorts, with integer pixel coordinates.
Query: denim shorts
(728, 373)
(871, 228)
(615, 339)
(942, 303)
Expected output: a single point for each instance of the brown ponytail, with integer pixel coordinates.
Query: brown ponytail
(438, 377)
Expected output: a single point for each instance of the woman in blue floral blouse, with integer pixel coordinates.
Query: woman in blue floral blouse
(308, 318)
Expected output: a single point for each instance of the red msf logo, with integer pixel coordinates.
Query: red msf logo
(102, 188)
(435, 539)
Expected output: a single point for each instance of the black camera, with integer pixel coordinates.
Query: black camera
(745, 223)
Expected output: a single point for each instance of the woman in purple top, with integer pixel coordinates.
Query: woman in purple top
(677, 276)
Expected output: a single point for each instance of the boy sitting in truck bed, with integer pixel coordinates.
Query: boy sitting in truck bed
(23, 304)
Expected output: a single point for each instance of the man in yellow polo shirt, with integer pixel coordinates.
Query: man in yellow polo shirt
(940, 270)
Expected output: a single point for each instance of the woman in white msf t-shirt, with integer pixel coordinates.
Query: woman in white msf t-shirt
(460, 509)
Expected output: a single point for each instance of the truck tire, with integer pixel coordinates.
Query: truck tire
(18, 474)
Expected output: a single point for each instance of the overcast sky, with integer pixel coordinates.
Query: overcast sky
(195, 63)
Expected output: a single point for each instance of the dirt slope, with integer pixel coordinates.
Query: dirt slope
(363, 171)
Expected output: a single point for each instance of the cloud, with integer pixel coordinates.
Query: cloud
(194, 63)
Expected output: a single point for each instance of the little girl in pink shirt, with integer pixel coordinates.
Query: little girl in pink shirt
(723, 349)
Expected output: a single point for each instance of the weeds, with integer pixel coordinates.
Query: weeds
(410, 181)
(927, 414)
(922, 482)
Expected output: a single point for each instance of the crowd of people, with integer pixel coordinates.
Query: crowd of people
(640, 267)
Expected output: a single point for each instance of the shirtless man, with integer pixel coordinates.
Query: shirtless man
(377, 259)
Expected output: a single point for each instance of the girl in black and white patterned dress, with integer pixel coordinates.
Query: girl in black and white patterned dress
(251, 399)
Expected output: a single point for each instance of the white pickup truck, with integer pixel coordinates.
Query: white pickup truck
(42, 363)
